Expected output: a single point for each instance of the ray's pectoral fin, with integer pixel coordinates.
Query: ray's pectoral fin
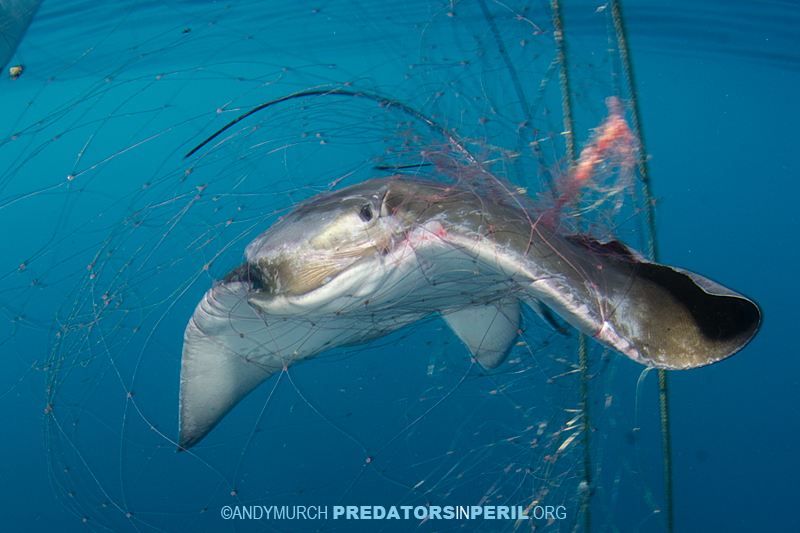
(489, 331)
(225, 357)
(670, 318)
(686, 320)
(657, 315)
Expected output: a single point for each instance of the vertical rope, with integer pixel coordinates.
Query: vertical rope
(641, 164)
(663, 396)
(666, 444)
(587, 447)
(566, 99)
(569, 137)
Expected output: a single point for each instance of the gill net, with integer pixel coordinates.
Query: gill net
(118, 235)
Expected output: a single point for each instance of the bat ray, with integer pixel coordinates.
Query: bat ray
(349, 267)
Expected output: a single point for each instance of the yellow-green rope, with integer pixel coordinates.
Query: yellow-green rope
(663, 396)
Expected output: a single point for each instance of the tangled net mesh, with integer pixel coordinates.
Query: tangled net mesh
(126, 235)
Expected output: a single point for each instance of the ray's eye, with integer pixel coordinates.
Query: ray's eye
(366, 213)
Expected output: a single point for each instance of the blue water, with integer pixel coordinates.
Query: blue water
(116, 95)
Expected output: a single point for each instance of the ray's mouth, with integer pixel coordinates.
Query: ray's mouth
(250, 273)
